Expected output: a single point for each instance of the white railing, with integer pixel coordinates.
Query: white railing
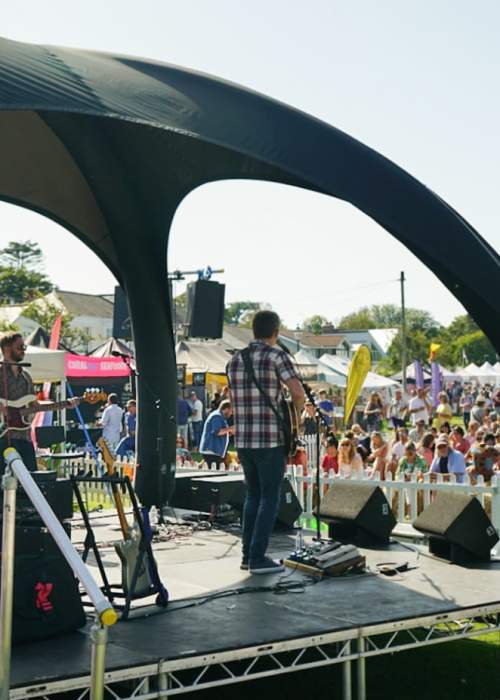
(407, 498)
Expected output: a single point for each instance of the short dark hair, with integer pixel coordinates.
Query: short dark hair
(265, 324)
(224, 404)
(9, 338)
(113, 398)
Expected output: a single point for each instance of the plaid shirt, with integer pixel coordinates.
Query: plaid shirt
(256, 425)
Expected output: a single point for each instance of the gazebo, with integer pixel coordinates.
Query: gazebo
(109, 145)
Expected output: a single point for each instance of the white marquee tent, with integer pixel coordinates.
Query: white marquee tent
(46, 365)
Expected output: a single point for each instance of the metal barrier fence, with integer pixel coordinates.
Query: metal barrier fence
(407, 498)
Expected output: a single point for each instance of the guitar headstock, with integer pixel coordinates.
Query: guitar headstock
(106, 454)
(93, 396)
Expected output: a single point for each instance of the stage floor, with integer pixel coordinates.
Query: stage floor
(200, 563)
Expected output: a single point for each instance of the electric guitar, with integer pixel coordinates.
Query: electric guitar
(19, 412)
(129, 550)
(291, 421)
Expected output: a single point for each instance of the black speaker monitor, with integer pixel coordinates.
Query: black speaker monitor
(459, 530)
(121, 316)
(205, 309)
(357, 512)
(48, 435)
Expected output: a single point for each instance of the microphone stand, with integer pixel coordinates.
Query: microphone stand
(320, 419)
(160, 441)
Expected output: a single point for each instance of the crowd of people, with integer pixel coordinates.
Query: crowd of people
(405, 435)
(409, 436)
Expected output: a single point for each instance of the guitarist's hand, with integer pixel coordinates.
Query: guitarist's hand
(74, 401)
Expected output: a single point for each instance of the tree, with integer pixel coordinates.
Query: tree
(358, 320)
(44, 313)
(314, 324)
(240, 313)
(18, 285)
(21, 254)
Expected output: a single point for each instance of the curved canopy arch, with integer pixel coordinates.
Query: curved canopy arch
(109, 145)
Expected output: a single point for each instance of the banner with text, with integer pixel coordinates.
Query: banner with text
(82, 366)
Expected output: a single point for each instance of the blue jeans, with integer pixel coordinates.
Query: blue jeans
(264, 471)
(126, 444)
(197, 427)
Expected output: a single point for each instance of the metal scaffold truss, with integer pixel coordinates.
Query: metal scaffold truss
(174, 677)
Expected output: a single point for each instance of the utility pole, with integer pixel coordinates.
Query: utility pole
(403, 329)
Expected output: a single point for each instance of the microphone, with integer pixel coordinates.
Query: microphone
(123, 355)
(15, 364)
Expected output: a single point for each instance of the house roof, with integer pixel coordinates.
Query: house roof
(78, 304)
(10, 313)
(321, 341)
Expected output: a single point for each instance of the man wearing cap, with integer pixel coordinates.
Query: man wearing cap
(419, 407)
(196, 417)
(447, 460)
(397, 410)
(477, 412)
(417, 433)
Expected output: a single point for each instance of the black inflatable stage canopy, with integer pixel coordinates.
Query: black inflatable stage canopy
(108, 146)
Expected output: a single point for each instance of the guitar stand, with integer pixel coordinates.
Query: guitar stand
(114, 591)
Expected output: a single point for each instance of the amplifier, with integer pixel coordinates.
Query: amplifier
(46, 597)
(57, 492)
(182, 491)
(209, 494)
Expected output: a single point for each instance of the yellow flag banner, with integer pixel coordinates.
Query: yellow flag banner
(358, 369)
(433, 351)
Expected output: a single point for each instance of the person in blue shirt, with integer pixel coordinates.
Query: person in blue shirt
(183, 413)
(326, 407)
(127, 444)
(215, 435)
(448, 460)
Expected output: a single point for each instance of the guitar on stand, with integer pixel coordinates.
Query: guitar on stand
(140, 576)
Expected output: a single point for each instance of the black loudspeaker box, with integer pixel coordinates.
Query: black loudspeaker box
(358, 513)
(48, 435)
(289, 509)
(57, 492)
(205, 309)
(459, 530)
(208, 494)
(181, 497)
(121, 316)
(46, 597)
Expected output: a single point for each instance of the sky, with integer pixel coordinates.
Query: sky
(417, 82)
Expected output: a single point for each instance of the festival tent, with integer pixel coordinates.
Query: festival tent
(497, 367)
(109, 346)
(199, 356)
(449, 376)
(334, 370)
(410, 375)
(307, 365)
(46, 365)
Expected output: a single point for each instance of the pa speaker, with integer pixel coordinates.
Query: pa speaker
(289, 509)
(205, 309)
(121, 316)
(357, 512)
(458, 528)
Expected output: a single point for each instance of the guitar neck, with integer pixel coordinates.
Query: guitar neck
(42, 408)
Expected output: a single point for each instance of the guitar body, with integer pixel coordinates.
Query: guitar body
(129, 552)
(292, 423)
(20, 412)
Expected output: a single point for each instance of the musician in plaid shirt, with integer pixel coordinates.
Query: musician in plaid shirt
(259, 437)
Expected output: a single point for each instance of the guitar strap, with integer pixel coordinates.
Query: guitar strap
(245, 354)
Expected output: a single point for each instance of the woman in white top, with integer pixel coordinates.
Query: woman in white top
(350, 462)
